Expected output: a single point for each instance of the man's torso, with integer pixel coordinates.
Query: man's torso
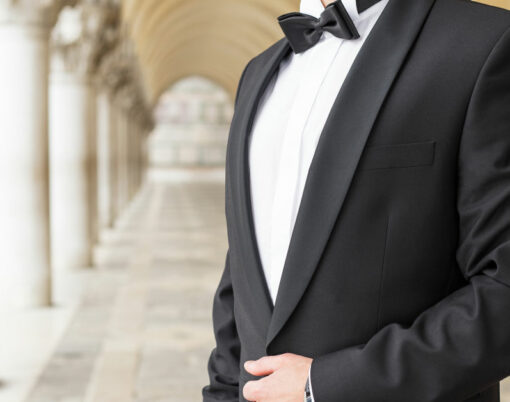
(376, 235)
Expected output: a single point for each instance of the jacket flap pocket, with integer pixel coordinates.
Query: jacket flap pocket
(398, 155)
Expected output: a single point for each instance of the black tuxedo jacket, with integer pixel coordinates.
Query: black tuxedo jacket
(397, 278)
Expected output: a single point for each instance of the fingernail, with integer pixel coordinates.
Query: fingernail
(247, 363)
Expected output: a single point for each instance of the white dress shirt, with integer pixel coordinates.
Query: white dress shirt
(287, 126)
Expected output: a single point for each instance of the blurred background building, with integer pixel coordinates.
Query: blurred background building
(114, 117)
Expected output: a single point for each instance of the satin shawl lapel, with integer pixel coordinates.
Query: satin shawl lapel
(261, 71)
(341, 144)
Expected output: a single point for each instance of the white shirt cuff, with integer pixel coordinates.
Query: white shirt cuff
(310, 383)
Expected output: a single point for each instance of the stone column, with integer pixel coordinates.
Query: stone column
(110, 127)
(72, 172)
(130, 132)
(134, 135)
(129, 106)
(76, 53)
(114, 142)
(24, 230)
(121, 137)
(144, 153)
(136, 159)
(121, 75)
(106, 166)
(145, 127)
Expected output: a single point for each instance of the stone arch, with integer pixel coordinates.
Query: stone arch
(192, 119)
(214, 39)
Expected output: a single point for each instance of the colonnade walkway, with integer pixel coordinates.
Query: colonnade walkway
(142, 329)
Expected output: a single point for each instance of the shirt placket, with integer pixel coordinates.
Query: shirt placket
(286, 198)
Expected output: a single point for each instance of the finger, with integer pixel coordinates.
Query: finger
(254, 391)
(263, 366)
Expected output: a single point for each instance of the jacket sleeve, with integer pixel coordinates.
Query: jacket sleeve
(461, 345)
(223, 364)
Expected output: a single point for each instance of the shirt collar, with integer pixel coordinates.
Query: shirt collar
(315, 8)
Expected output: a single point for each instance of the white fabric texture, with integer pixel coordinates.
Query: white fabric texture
(287, 126)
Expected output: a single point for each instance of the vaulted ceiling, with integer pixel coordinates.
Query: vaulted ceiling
(215, 39)
(212, 38)
(498, 3)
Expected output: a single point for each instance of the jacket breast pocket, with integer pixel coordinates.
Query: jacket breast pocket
(398, 155)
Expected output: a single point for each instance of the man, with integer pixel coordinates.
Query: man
(368, 209)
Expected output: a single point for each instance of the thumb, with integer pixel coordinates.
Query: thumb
(263, 366)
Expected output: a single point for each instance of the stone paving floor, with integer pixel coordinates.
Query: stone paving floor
(142, 330)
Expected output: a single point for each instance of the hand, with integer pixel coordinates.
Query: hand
(285, 381)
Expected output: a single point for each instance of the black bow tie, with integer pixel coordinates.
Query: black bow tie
(303, 30)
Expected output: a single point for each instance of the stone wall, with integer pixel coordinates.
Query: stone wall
(192, 121)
